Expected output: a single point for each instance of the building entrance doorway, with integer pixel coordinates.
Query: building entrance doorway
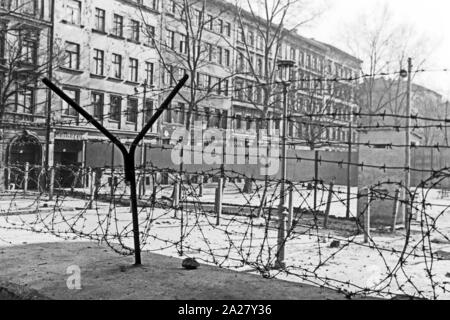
(68, 161)
(24, 149)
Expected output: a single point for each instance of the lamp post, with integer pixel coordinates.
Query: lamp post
(285, 69)
(406, 197)
(407, 209)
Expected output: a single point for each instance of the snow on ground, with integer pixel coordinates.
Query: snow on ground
(247, 244)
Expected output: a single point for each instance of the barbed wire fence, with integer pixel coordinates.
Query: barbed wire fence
(203, 211)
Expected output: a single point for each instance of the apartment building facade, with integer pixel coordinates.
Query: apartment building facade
(25, 34)
(321, 95)
(119, 59)
(110, 67)
(197, 40)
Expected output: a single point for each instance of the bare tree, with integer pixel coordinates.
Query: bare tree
(384, 45)
(24, 59)
(268, 23)
(190, 47)
(273, 20)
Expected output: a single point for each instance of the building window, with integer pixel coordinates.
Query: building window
(179, 113)
(198, 17)
(66, 109)
(134, 35)
(210, 49)
(72, 59)
(132, 110)
(238, 90)
(97, 104)
(117, 65)
(148, 110)
(133, 70)
(149, 71)
(116, 108)
(150, 36)
(171, 7)
(183, 44)
(227, 57)
(24, 100)
(241, 35)
(228, 29)
(2, 43)
(29, 50)
(249, 123)
(170, 41)
(168, 114)
(241, 62)
(210, 23)
(259, 67)
(167, 75)
(225, 87)
(118, 26)
(99, 19)
(73, 12)
(99, 59)
(250, 92)
(220, 26)
(251, 38)
(21, 6)
(259, 42)
(219, 55)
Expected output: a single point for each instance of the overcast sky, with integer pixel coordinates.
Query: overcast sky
(430, 17)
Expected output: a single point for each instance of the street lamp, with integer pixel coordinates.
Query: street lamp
(286, 68)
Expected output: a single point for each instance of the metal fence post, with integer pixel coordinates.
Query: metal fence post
(26, 177)
(200, 187)
(395, 211)
(219, 199)
(51, 188)
(280, 263)
(291, 208)
(328, 209)
(316, 179)
(176, 198)
(8, 178)
(367, 218)
(91, 175)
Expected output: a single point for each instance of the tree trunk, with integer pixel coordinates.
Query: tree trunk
(2, 161)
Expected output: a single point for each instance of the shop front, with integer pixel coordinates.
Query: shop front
(69, 158)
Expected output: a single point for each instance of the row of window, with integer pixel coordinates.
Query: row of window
(96, 107)
(29, 7)
(307, 60)
(213, 118)
(210, 52)
(206, 82)
(295, 129)
(250, 39)
(304, 59)
(134, 28)
(201, 18)
(72, 61)
(244, 64)
(25, 42)
(248, 91)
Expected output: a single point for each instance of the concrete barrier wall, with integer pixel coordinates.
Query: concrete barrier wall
(300, 166)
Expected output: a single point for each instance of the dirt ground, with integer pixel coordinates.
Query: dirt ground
(40, 271)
